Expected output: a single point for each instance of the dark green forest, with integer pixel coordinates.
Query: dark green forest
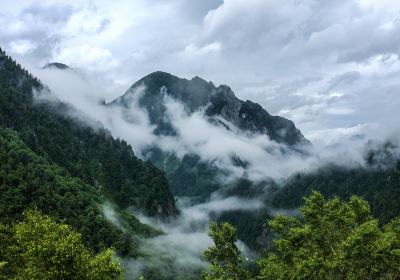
(90, 154)
(28, 181)
(67, 169)
(57, 173)
(333, 239)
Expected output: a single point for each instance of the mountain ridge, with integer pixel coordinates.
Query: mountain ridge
(218, 101)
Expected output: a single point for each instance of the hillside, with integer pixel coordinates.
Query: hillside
(28, 181)
(90, 154)
(68, 169)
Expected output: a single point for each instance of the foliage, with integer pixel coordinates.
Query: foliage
(380, 187)
(27, 180)
(61, 135)
(224, 256)
(44, 249)
(333, 240)
(66, 168)
(336, 240)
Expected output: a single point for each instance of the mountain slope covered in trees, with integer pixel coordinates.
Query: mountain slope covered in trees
(28, 181)
(68, 169)
(90, 154)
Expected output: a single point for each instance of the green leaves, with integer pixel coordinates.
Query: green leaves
(47, 250)
(224, 256)
(333, 240)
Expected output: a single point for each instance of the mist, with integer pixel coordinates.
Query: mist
(185, 238)
(213, 143)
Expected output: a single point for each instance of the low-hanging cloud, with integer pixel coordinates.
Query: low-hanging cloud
(264, 158)
(185, 239)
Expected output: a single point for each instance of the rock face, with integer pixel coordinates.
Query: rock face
(220, 104)
(190, 175)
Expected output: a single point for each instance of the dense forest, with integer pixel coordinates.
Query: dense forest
(88, 153)
(333, 240)
(59, 175)
(28, 181)
(66, 168)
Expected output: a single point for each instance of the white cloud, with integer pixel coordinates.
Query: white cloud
(22, 47)
(292, 56)
(89, 57)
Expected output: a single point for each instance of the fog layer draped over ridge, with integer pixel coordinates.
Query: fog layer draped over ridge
(194, 133)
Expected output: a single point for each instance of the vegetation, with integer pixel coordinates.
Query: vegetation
(379, 186)
(333, 240)
(28, 181)
(224, 256)
(55, 163)
(51, 160)
(40, 248)
(89, 153)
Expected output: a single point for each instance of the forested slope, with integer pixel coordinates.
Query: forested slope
(28, 181)
(65, 168)
(92, 155)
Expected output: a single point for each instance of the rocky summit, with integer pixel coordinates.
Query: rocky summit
(220, 105)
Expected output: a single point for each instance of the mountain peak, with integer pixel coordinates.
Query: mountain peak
(56, 65)
(219, 102)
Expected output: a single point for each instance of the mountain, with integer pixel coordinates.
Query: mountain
(56, 65)
(190, 175)
(219, 103)
(377, 179)
(68, 169)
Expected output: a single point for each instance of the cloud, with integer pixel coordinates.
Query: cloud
(180, 249)
(87, 96)
(281, 55)
(89, 57)
(195, 134)
(331, 66)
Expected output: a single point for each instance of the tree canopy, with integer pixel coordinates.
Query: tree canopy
(38, 247)
(332, 240)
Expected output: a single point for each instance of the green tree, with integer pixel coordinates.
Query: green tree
(44, 249)
(224, 256)
(334, 240)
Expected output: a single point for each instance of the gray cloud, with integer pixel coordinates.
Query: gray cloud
(326, 65)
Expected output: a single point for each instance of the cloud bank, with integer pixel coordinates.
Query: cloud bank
(325, 65)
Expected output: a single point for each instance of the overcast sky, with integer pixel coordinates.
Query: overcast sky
(327, 65)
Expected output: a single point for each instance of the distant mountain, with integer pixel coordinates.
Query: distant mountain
(190, 176)
(56, 65)
(219, 103)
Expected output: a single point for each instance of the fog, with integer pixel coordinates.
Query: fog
(186, 237)
(213, 143)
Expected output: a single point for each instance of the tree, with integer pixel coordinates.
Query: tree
(44, 249)
(334, 240)
(224, 256)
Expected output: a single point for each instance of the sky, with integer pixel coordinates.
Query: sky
(331, 66)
